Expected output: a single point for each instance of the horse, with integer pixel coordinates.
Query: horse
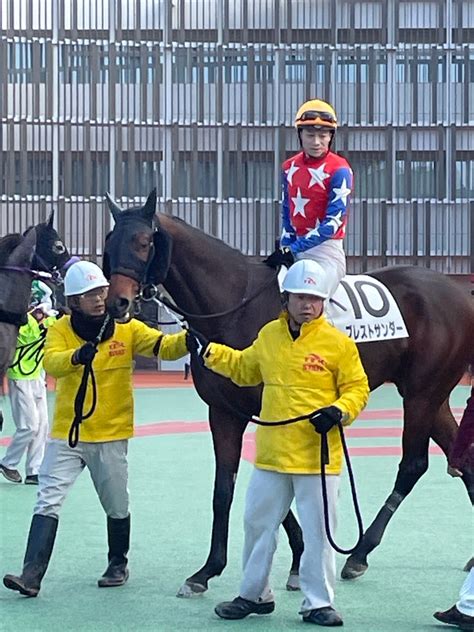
(39, 248)
(228, 297)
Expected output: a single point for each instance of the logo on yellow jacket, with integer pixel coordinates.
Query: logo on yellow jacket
(314, 362)
(116, 348)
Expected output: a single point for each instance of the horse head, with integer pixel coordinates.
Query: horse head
(137, 252)
(50, 254)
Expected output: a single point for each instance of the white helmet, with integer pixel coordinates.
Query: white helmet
(306, 277)
(82, 277)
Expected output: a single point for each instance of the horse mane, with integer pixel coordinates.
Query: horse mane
(8, 245)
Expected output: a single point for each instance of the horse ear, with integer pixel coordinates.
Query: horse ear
(23, 253)
(150, 205)
(50, 219)
(163, 244)
(113, 208)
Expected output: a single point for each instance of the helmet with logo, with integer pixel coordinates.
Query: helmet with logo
(82, 277)
(306, 277)
(316, 113)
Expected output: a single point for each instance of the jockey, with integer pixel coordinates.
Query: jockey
(316, 185)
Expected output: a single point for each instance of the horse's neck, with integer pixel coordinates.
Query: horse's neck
(205, 276)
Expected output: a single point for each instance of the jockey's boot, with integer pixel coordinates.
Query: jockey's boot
(118, 532)
(38, 553)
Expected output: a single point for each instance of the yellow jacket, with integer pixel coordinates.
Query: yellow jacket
(112, 366)
(320, 368)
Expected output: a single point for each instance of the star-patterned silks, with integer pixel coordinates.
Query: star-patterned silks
(291, 171)
(318, 176)
(342, 192)
(299, 202)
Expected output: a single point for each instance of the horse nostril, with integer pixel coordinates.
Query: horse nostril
(122, 304)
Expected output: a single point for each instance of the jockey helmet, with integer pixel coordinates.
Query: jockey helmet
(318, 114)
(306, 277)
(82, 277)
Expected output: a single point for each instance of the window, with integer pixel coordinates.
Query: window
(370, 174)
(99, 175)
(141, 172)
(415, 179)
(421, 69)
(195, 175)
(39, 174)
(22, 57)
(191, 67)
(252, 177)
(295, 68)
(464, 178)
(74, 63)
(235, 68)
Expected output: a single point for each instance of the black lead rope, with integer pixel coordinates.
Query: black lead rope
(325, 461)
(79, 416)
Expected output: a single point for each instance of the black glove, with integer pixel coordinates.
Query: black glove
(325, 418)
(196, 343)
(280, 257)
(84, 354)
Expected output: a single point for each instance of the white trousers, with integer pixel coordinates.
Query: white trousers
(466, 596)
(331, 256)
(269, 497)
(108, 467)
(30, 416)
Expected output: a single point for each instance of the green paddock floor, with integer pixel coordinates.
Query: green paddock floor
(415, 571)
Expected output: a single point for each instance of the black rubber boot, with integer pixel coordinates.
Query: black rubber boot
(38, 553)
(118, 532)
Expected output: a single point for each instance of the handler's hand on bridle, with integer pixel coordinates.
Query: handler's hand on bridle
(84, 354)
(196, 343)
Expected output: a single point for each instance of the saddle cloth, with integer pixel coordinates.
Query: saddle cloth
(364, 309)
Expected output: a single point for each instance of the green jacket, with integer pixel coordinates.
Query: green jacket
(28, 361)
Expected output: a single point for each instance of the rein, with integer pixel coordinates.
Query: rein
(151, 292)
(79, 416)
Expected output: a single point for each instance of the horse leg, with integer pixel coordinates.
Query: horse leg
(227, 435)
(418, 416)
(443, 434)
(295, 539)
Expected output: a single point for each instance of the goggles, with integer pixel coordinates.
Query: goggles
(312, 115)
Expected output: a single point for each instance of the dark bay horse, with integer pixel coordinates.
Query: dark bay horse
(40, 248)
(228, 297)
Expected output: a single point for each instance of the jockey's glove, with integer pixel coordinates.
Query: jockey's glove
(280, 257)
(325, 418)
(85, 354)
(196, 343)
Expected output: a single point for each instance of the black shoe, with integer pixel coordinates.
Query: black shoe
(323, 616)
(32, 479)
(239, 608)
(454, 617)
(38, 553)
(13, 476)
(118, 533)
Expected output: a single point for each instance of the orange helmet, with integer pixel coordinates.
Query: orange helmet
(316, 113)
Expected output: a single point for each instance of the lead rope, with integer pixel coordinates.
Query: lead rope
(79, 416)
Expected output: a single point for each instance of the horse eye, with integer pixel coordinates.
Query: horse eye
(59, 248)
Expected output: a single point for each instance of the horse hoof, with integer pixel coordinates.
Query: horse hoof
(191, 589)
(469, 565)
(293, 582)
(353, 570)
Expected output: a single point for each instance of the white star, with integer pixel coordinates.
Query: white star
(285, 234)
(289, 172)
(300, 203)
(318, 176)
(342, 192)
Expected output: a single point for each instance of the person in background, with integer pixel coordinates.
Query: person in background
(89, 338)
(461, 457)
(28, 396)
